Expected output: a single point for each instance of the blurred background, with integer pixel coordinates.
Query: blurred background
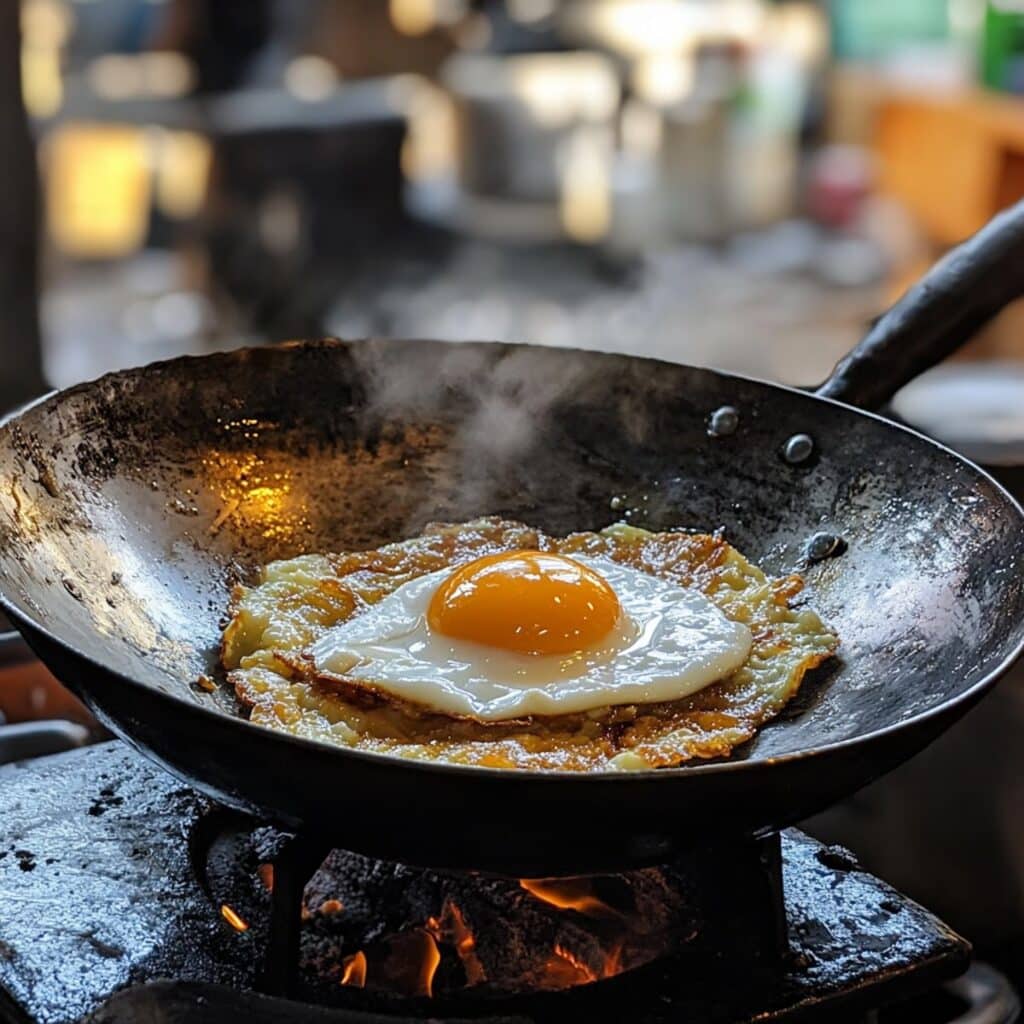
(737, 183)
(730, 182)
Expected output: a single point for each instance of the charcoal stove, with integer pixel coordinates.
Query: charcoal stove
(125, 896)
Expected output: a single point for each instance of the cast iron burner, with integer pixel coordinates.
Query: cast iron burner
(127, 897)
(398, 931)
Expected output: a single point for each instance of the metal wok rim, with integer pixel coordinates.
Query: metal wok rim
(517, 774)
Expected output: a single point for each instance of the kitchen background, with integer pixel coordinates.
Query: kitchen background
(735, 183)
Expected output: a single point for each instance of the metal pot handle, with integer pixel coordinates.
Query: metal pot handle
(961, 293)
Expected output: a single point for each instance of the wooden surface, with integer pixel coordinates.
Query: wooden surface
(954, 159)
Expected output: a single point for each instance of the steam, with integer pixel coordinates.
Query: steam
(507, 399)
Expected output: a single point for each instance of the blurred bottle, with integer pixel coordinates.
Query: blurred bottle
(764, 138)
(695, 147)
(1002, 45)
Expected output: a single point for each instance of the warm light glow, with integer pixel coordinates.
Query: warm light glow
(45, 23)
(558, 88)
(663, 78)
(452, 928)
(182, 172)
(266, 876)
(45, 26)
(569, 894)
(353, 970)
(637, 28)
(253, 496)
(310, 77)
(801, 29)
(646, 26)
(98, 187)
(413, 17)
(585, 201)
(41, 83)
(233, 919)
(570, 968)
(565, 969)
(430, 144)
(531, 602)
(431, 959)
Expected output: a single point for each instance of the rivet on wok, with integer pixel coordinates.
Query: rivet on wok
(822, 545)
(723, 422)
(798, 448)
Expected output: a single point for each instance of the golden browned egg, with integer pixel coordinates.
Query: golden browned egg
(489, 643)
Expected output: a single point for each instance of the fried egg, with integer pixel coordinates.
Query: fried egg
(535, 633)
(279, 627)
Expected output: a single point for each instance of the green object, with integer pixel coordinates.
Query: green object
(1002, 45)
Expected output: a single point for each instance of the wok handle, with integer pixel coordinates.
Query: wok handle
(961, 293)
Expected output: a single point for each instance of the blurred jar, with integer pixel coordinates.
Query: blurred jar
(695, 147)
(763, 143)
(516, 117)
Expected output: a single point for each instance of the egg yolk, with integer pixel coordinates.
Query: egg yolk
(530, 602)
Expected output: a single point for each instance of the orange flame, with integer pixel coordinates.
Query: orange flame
(353, 970)
(614, 965)
(266, 874)
(431, 959)
(569, 894)
(233, 919)
(565, 970)
(452, 928)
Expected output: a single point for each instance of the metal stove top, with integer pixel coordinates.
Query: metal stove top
(104, 918)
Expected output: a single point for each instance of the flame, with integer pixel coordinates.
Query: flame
(233, 919)
(569, 894)
(266, 874)
(353, 970)
(564, 969)
(613, 964)
(451, 927)
(431, 959)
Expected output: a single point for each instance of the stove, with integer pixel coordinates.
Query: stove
(125, 896)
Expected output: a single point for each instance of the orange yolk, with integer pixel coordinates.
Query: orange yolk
(531, 602)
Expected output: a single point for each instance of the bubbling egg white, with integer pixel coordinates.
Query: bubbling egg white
(669, 642)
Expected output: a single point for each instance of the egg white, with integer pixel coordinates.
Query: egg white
(669, 642)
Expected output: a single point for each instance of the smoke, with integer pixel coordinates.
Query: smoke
(507, 408)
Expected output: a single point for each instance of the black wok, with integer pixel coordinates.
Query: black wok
(130, 503)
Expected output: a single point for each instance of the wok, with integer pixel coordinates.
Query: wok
(129, 504)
